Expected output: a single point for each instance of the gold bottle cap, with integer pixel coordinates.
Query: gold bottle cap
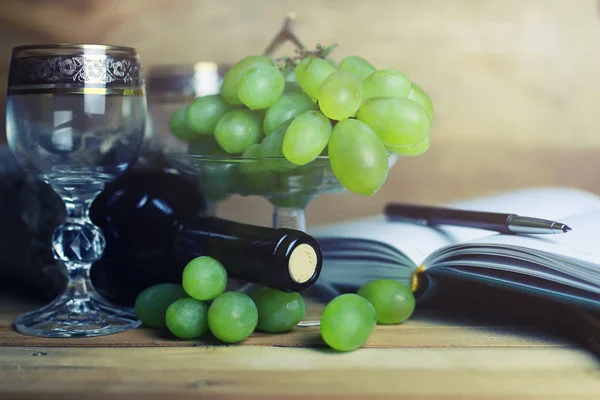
(303, 263)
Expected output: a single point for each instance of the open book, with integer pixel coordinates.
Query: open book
(563, 267)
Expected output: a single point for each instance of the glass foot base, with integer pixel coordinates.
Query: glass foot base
(67, 317)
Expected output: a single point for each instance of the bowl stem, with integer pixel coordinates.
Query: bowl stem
(289, 217)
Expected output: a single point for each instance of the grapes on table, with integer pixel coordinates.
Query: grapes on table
(232, 317)
(278, 311)
(292, 111)
(204, 278)
(187, 318)
(151, 304)
(347, 322)
(392, 300)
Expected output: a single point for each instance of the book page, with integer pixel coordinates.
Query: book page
(414, 241)
(417, 241)
(582, 244)
(554, 203)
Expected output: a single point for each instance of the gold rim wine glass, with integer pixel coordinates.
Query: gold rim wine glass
(76, 116)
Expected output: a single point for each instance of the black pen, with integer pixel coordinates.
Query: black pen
(503, 223)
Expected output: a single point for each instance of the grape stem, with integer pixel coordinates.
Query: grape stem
(287, 34)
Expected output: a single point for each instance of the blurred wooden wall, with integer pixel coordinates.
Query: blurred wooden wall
(516, 83)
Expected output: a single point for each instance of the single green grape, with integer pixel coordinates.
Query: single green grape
(231, 80)
(151, 304)
(340, 95)
(204, 278)
(356, 65)
(288, 106)
(278, 311)
(392, 300)
(178, 126)
(204, 113)
(386, 83)
(272, 147)
(414, 150)
(238, 129)
(306, 137)
(232, 317)
(358, 157)
(310, 73)
(347, 322)
(187, 318)
(261, 87)
(397, 121)
(418, 95)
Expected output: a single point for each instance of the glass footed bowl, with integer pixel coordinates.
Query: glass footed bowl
(289, 189)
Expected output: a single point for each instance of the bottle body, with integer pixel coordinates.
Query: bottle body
(154, 223)
(139, 215)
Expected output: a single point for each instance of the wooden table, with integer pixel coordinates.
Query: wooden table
(288, 373)
(436, 358)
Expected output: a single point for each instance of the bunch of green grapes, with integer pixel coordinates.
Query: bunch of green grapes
(201, 305)
(309, 106)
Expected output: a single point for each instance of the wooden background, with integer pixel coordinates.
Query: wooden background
(516, 83)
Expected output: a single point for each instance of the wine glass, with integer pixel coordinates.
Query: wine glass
(75, 118)
(289, 189)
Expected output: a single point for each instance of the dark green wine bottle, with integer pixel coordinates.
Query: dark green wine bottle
(154, 223)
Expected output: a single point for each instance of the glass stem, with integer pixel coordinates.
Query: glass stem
(79, 288)
(78, 243)
(292, 218)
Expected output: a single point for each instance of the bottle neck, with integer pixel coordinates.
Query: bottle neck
(284, 259)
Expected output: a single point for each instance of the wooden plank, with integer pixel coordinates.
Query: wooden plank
(289, 373)
(428, 327)
(411, 335)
